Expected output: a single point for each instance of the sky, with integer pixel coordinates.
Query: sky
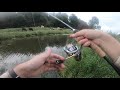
(109, 21)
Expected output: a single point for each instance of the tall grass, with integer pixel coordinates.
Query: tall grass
(91, 66)
(18, 33)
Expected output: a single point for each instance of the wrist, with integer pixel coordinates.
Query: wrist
(6, 75)
(13, 74)
(20, 71)
(105, 37)
(111, 46)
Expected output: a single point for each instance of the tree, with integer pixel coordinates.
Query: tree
(82, 25)
(74, 21)
(77, 23)
(94, 23)
(51, 21)
(63, 17)
(30, 19)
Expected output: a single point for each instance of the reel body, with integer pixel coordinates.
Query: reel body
(71, 49)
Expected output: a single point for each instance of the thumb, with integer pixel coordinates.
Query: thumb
(39, 60)
(45, 55)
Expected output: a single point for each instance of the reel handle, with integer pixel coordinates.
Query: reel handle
(56, 62)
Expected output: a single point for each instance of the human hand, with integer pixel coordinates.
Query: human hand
(37, 65)
(105, 41)
(86, 36)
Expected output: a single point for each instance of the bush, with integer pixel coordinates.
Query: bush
(31, 29)
(28, 35)
(91, 66)
(24, 29)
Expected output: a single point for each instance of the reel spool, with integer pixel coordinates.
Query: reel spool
(71, 49)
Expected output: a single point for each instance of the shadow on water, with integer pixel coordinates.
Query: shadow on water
(13, 52)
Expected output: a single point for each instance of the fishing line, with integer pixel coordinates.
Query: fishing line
(71, 47)
(105, 57)
(73, 42)
(36, 31)
(33, 20)
(113, 66)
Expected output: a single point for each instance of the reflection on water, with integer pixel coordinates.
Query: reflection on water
(13, 52)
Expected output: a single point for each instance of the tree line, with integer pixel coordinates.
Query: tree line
(33, 19)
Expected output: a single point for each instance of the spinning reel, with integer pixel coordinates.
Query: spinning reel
(71, 49)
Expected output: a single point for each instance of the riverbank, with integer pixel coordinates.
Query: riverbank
(14, 33)
(91, 66)
(17, 50)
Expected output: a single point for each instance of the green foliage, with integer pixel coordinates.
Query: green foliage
(74, 21)
(33, 19)
(77, 23)
(91, 66)
(94, 23)
(37, 31)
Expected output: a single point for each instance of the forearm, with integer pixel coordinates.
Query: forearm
(15, 72)
(111, 46)
(5, 75)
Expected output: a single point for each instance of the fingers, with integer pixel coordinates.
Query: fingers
(54, 61)
(78, 34)
(39, 59)
(53, 57)
(83, 41)
(55, 67)
(62, 66)
(45, 55)
(56, 56)
(59, 67)
(79, 38)
(86, 44)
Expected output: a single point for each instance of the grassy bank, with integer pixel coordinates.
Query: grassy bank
(37, 31)
(91, 66)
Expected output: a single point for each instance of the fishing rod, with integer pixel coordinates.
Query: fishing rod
(75, 51)
(63, 22)
(71, 49)
(103, 55)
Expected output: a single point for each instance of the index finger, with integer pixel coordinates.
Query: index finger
(78, 34)
(57, 56)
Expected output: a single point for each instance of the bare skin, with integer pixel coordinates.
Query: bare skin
(37, 65)
(105, 41)
(86, 37)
